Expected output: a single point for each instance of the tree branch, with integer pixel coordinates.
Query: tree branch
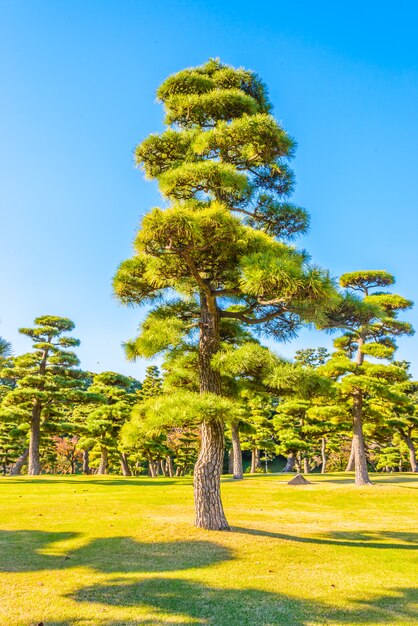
(237, 315)
(195, 273)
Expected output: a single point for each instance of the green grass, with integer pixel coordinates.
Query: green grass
(113, 551)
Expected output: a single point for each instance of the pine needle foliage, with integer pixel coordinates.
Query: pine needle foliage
(222, 243)
(370, 320)
(47, 381)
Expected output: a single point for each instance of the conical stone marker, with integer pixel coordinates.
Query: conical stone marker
(299, 480)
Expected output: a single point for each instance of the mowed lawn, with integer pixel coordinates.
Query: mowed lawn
(112, 551)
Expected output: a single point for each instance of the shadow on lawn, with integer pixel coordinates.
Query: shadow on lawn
(359, 539)
(200, 604)
(82, 481)
(166, 598)
(27, 551)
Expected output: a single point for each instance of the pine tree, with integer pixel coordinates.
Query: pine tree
(260, 436)
(153, 449)
(151, 385)
(406, 424)
(312, 357)
(313, 422)
(117, 395)
(5, 348)
(47, 380)
(12, 437)
(402, 418)
(222, 164)
(371, 327)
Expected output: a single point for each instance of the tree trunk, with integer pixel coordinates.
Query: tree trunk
(231, 461)
(169, 465)
(255, 460)
(104, 460)
(361, 471)
(34, 465)
(86, 467)
(209, 510)
(18, 465)
(290, 463)
(298, 463)
(163, 467)
(124, 465)
(306, 467)
(412, 453)
(324, 455)
(152, 468)
(351, 464)
(237, 453)
(207, 472)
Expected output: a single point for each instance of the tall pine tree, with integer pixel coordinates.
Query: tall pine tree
(222, 163)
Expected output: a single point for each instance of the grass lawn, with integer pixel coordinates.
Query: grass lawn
(112, 551)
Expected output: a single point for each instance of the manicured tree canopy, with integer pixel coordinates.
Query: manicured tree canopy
(301, 388)
(260, 434)
(151, 385)
(134, 437)
(312, 357)
(47, 380)
(309, 423)
(13, 432)
(290, 423)
(117, 393)
(402, 418)
(372, 326)
(11, 438)
(222, 165)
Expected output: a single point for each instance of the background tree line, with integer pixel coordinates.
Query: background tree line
(281, 415)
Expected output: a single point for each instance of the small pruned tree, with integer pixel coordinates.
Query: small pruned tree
(403, 418)
(117, 395)
(151, 385)
(154, 450)
(371, 324)
(312, 357)
(47, 380)
(258, 437)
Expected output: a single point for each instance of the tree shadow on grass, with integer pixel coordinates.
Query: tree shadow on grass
(27, 551)
(124, 554)
(21, 550)
(357, 539)
(83, 481)
(394, 479)
(167, 598)
(198, 603)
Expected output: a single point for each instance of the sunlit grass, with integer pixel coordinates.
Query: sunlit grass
(113, 551)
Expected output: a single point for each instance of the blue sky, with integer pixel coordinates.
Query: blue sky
(78, 93)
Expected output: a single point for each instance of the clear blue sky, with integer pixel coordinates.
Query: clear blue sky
(78, 80)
